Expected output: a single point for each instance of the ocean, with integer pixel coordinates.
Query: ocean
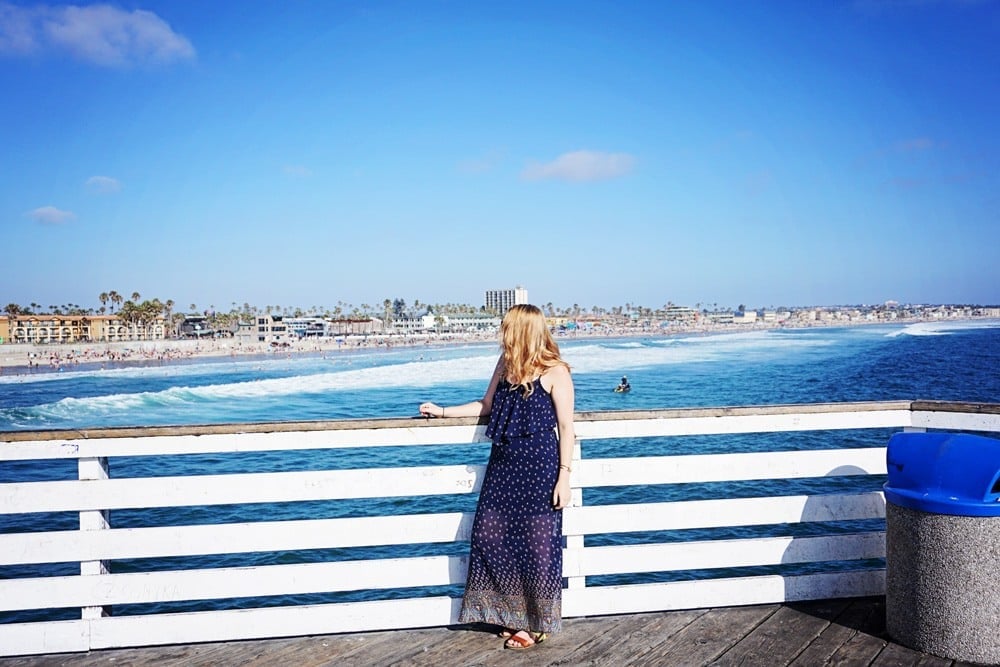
(939, 361)
(954, 361)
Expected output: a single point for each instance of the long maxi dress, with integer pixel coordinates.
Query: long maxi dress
(515, 559)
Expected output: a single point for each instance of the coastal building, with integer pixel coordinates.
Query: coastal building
(719, 317)
(354, 327)
(43, 329)
(417, 322)
(500, 300)
(306, 327)
(195, 326)
(267, 328)
(680, 314)
(427, 320)
(472, 322)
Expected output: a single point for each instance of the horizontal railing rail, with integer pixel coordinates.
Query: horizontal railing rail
(671, 555)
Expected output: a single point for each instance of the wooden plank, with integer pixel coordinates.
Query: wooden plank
(731, 467)
(96, 435)
(273, 487)
(957, 421)
(709, 636)
(118, 631)
(776, 641)
(416, 424)
(721, 553)
(956, 406)
(895, 655)
(832, 636)
(851, 637)
(238, 438)
(625, 643)
(751, 423)
(764, 589)
(222, 583)
(861, 649)
(719, 513)
(27, 445)
(120, 543)
(50, 637)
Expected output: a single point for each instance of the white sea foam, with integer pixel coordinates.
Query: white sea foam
(405, 368)
(167, 370)
(374, 371)
(943, 328)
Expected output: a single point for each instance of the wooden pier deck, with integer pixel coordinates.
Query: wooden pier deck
(830, 632)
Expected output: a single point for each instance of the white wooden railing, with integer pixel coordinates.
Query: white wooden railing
(96, 543)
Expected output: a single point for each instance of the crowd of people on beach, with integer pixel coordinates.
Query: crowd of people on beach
(57, 359)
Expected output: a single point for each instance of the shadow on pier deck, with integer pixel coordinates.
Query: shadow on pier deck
(830, 632)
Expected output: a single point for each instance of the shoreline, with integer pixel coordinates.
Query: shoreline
(29, 358)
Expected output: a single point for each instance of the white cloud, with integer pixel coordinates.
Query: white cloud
(17, 34)
(50, 215)
(99, 34)
(103, 185)
(581, 166)
(296, 170)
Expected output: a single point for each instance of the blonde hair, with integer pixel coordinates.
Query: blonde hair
(528, 348)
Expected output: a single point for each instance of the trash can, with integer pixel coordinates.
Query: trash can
(943, 545)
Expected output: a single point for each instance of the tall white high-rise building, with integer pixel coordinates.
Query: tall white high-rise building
(500, 300)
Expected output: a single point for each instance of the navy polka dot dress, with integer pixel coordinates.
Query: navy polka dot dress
(515, 560)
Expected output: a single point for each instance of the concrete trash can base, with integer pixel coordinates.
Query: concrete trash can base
(943, 545)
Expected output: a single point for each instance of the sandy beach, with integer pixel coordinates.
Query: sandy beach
(19, 358)
(22, 358)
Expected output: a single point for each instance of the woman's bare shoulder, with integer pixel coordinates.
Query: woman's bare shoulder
(555, 375)
(558, 371)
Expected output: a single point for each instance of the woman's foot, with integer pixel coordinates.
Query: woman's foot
(522, 640)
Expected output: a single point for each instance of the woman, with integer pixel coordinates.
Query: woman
(515, 559)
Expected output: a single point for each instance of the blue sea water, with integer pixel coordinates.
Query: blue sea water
(941, 361)
(938, 361)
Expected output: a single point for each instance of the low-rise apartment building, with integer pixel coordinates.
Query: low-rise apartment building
(44, 329)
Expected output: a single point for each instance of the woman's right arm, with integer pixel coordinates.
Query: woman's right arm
(472, 409)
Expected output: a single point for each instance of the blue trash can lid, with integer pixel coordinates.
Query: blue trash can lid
(944, 473)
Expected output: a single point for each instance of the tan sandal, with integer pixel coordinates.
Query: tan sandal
(517, 643)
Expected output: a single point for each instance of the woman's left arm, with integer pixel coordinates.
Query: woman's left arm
(563, 399)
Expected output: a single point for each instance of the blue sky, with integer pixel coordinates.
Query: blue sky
(598, 153)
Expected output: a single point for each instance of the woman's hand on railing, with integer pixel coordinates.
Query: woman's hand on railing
(431, 410)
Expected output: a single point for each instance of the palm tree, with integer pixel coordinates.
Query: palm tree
(103, 298)
(115, 298)
(135, 297)
(168, 308)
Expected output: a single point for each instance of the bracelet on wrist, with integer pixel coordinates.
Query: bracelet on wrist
(565, 467)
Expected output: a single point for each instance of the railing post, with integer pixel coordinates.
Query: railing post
(576, 541)
(94, 468)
